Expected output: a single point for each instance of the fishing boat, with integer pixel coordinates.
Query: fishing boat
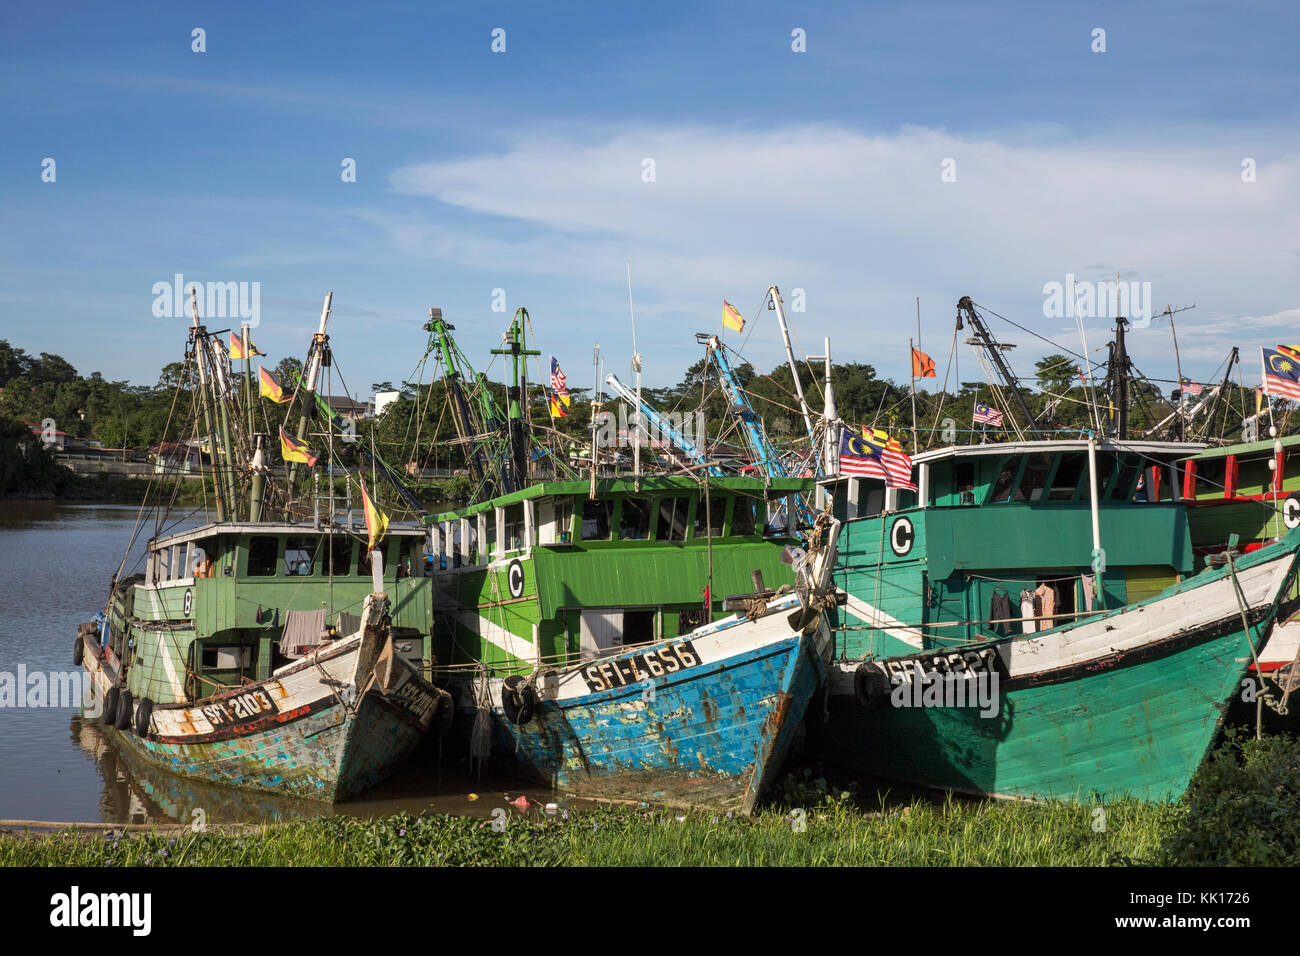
(1056, 576)
(1250, 490)
(281, 646)
(703, 718)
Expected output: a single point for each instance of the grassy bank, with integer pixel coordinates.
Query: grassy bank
(831, 835)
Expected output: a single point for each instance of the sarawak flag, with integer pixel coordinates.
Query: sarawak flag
(237, 348)
(293, 450)
(559, 391)
(922, 365)
(270, 388)
(376, 520)
(731, 318)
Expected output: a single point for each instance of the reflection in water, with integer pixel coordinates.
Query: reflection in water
(137, 791)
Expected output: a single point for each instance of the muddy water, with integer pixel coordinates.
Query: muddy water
(55, 565)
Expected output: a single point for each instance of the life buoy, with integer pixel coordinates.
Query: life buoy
(79, 651)
(143, 713)
(125, 711)
(110, 707)
(871, 686)
(518, 699)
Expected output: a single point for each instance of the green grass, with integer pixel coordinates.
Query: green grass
(834, 834)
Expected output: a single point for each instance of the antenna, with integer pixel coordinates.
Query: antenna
(636, 366)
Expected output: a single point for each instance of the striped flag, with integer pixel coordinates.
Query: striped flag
(293, 450)
(560, 399)
(1281, 374)
(869, 456)
(237, 348)
(987, 415)
(270, 388)
(1188, 386)
(731, 318)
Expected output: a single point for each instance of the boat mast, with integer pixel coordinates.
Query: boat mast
(198, 334)
(517, 473)
(319, 345)
(774, 302)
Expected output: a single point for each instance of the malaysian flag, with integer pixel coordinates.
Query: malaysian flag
(559, 391)
(1281, 374)
(986, 415)
(875, 457)
(1188, 386)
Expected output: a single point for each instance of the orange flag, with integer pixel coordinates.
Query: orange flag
(922, 365)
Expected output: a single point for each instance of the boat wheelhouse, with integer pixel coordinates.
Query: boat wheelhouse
(276, 656)
(550, 574)
(1003, 521)
(1250, 490)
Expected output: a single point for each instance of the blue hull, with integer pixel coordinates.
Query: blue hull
(711, 736)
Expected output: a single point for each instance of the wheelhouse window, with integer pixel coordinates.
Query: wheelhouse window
(742, 516)
(1123, 489)
(595, 520)
(709, 515)
(963, 481)
(338, 556)
(262, 553)
(1002, 487)
(1033, 482)
(673, 513)
(515, 530)
(563, 519)
(299, 556)
(1066, 480)
(634, 519)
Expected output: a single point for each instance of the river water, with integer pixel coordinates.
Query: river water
(56, 562)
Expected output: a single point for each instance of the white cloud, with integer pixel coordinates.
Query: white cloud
(864, 223)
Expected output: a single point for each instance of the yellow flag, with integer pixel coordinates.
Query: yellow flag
(376, 520)
(270, 388)
(731, 318)
(293, 450)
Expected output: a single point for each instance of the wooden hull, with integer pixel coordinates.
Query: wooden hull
(1122, 705)
(711, 733)
(322, 729)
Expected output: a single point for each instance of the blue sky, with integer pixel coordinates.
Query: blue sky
(523, 171)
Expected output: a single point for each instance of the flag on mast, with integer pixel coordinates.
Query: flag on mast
(1281, 374)
(560, 398)
(922, 364)
(270, 388)
(237, 348)
(876, 455)
(293, 450)
(376, 520)
(987, 415)
(731, 318)
(1188, 386)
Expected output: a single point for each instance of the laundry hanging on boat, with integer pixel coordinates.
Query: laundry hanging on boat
(1000, 611)
(1045, 602)
(1027, 611)
(1089, 582)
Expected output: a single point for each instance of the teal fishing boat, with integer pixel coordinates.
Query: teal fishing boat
(1053, 581)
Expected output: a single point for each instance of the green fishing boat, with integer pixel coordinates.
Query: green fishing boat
(280, 646)
(1250, 490)
(1057, 577)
